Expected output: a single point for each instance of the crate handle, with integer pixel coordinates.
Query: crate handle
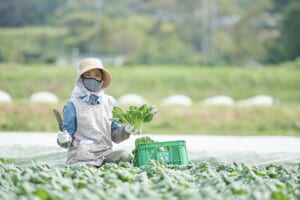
(163, 148)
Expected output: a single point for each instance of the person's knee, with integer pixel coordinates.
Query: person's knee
(126, 156)
(118, 156)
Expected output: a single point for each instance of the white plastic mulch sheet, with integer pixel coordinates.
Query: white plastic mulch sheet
(25, 148)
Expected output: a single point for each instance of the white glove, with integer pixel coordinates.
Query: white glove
(131, 130)
(64, 137)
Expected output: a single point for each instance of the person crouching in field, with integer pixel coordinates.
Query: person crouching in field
(88, 129)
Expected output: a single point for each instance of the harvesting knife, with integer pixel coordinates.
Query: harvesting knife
(58, 119)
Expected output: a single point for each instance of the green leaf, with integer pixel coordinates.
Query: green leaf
(144, 109)
(279, 196)
(42, 194)
(2, 160)
(117, 112)
(148, 117)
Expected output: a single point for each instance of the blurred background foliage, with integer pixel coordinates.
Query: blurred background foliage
(168, 47)
(210, 32)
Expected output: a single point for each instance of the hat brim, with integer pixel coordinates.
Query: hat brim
(106, 75)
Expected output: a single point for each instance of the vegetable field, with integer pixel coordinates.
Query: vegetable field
(123, 181)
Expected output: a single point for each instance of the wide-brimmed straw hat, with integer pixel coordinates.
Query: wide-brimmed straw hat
(94, 63)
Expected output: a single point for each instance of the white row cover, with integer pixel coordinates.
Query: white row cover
(38, 97)
(253, 150)
(43, 97)
(5, 97)
(177, 99)
(182, 100)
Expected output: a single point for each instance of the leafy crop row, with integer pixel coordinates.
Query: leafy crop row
(156, 181)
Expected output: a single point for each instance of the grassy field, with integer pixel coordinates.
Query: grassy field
(156, 82)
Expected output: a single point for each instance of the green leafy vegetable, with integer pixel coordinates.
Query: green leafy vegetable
(136, 116)
(197, 180)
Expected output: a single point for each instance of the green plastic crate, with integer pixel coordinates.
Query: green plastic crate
(171, 153)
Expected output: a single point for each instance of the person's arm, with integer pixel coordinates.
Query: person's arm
(118, 132)
(69, 118)
(119, 135)
(64, 138)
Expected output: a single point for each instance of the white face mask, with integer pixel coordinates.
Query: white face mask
(92, 84)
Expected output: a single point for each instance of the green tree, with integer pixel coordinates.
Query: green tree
(15, 13)
(287, 46)
(290, 39)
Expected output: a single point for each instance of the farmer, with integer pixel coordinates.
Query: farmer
(88, 129)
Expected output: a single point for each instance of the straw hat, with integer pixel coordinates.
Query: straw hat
(94, 63)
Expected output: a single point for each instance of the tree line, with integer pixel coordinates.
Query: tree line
(210, 32)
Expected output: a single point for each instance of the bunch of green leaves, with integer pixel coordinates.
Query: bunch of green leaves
(135, 116)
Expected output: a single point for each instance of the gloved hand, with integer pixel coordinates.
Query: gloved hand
(64, 139)
(131, 130)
